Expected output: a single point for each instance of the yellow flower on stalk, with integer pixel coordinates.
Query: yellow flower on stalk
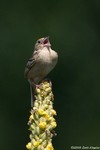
(54, 124)
(41, 112)
(47, 116)
(36, 144)
(50, 118)
(53, 112)
(38, 90)
(49, 147)
(31, 118)
(42, 125)
(29, 146)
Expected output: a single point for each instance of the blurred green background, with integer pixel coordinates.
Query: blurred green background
(74, 30)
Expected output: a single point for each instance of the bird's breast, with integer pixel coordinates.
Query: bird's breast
(47, 56)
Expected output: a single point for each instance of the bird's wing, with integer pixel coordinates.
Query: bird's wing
(31, 62)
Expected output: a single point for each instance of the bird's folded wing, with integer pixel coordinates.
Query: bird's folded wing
(31, 62)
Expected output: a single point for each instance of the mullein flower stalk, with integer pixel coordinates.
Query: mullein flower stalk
(41, 121)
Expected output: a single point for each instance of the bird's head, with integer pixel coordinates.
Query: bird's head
(42, 42)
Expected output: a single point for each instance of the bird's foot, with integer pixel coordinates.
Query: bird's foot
(35, 85)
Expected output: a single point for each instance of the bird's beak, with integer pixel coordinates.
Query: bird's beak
(47, 37)
(46, 42)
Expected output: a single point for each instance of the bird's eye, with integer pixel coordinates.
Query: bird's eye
(38, 41)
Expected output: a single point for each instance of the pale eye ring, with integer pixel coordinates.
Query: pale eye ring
(39, 41)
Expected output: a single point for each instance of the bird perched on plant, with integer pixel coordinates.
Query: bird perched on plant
(43, 60)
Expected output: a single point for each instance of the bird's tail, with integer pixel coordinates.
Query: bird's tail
(32, 95)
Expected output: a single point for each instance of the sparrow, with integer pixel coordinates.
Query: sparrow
(43, 60)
